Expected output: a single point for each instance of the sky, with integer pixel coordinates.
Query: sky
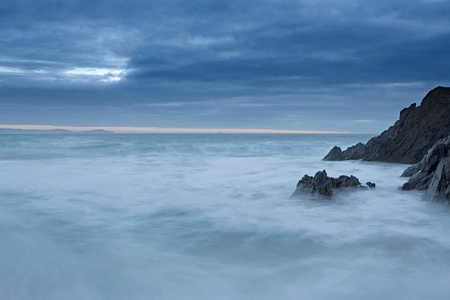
(310, 65)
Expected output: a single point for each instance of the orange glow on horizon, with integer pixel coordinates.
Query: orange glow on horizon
(161, 130)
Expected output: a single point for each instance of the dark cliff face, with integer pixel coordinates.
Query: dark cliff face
(409, 139)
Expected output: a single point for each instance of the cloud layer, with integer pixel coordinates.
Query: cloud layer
(299, 65)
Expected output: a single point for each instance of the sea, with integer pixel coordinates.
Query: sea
(210, 216)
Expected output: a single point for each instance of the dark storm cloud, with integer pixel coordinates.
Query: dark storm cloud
(321, 45)
(278, 55)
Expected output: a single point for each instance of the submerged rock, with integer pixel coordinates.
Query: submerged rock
(324, 185)
(432, 173)
(409, 139)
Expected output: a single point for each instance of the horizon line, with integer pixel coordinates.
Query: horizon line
(127, 129)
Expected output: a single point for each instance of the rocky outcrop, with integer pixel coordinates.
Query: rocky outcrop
(335, 154)
(432, 173)
(324, 185)
(410, 171)
(409, 139)
(354, 152)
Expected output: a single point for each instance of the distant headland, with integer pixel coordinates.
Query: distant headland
(52, 131)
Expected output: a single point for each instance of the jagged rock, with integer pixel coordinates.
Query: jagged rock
(432, 173)
(324, 185)
(409, 139)
(410, 171)
(371, 185)
(439, 187)
(418, 181)
(335, 154)
(353, 152)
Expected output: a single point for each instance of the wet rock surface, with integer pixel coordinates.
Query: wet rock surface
(323, 185)
(432, 173)
(370, 184)
(409, 139)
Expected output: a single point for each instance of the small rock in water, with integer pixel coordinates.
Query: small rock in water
(324, 185)
(370, 184)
